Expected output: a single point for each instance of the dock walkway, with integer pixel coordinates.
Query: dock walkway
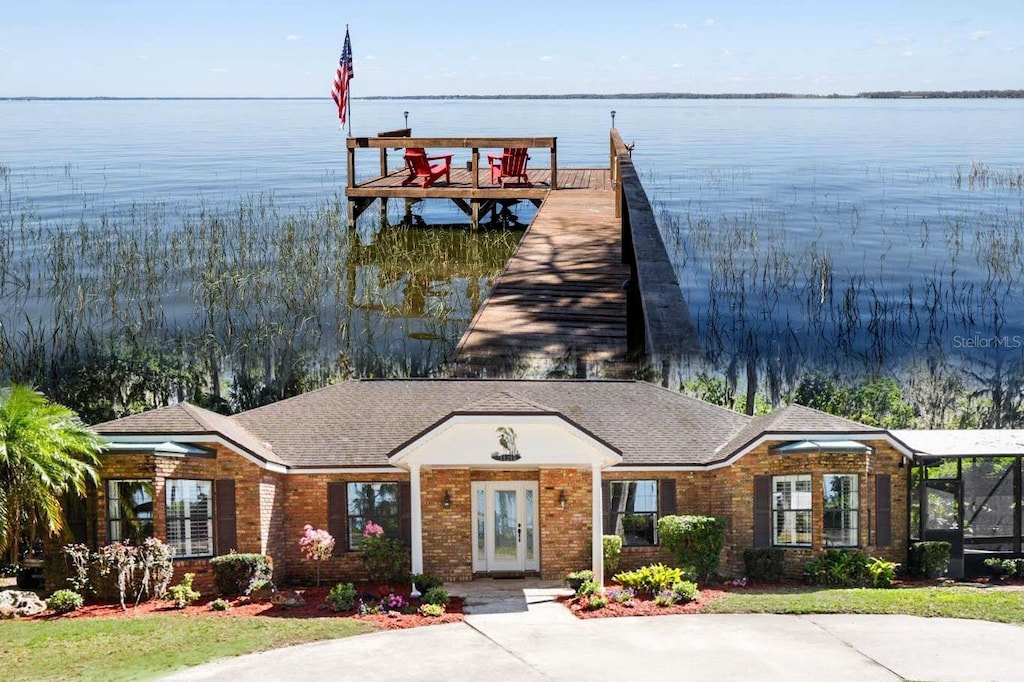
(561, 294)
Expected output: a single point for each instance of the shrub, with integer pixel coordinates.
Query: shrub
(65, 601)
(1002, 568)
(695, 541)
(763, 565)
(685, 591)
(649, 579)
(839, 568)
(577, 578)
(385, 558)
(342, 597)
(238, 574)
(425, 581)
(587, 588)
(612, 549)
(929, 559)
(182, 594)
(595, 602)
(436, 595)
(220, 605)
(155, 561)
(431, 610)
(140, 570)
(882, 572)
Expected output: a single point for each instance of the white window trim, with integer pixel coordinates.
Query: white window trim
(187, 518)
(794, 478)
(855, 488)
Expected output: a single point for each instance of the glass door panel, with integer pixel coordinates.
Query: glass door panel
(507, 528)
(529, 534)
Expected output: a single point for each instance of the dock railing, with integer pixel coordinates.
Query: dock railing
(657, 319)
(387, 140)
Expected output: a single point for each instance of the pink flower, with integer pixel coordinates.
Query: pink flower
(372, 530)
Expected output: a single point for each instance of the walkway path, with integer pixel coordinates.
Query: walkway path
(544, 642)
(561, 294)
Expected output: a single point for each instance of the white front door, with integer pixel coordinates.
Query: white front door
(505, 527)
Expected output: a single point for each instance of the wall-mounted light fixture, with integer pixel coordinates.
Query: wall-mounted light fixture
(561, 499)
(446, 502)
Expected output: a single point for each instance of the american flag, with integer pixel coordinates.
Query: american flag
(339, 92)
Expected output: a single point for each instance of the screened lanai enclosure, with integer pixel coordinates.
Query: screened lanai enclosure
(965, 488)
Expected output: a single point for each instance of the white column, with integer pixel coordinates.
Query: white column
(417, 520)
(597, 529)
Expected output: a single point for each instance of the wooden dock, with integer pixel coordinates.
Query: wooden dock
(590, 282)
(562, 296)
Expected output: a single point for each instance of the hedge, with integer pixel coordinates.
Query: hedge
(695, 542)
(234, 574)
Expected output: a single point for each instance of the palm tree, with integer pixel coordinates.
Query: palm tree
(45, 452)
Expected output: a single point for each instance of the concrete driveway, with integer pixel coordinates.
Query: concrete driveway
(545, 642)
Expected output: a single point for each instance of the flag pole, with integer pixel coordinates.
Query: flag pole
(348, 98)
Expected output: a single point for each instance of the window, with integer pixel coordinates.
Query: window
(129, 510)
(190, 517)
(634, 511)
(791, 510)
(842, 504)
(377, 502)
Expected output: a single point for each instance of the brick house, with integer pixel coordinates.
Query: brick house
(497, 477)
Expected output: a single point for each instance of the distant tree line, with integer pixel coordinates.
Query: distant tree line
(944, 94)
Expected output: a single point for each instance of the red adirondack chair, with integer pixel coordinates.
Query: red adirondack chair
(509, 166)
(424, 173)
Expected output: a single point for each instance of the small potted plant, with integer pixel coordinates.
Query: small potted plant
(577, 578)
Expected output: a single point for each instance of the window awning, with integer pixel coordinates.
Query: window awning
(165, 448)
(805, 447)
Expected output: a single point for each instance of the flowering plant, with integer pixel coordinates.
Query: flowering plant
(385, 558)
(317, 545)
(372, 530)
(392, 602)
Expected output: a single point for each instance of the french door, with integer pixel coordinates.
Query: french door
(505, 534)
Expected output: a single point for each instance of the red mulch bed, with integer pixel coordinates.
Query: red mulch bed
(244, 607)
(641, 606)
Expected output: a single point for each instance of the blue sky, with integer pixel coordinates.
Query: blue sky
(257, 48)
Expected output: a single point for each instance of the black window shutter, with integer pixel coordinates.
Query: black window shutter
(606, 508)
(337, 514)
(883, 510)
(667, 497)
(405, 512)
(762, 511)
(226, 524)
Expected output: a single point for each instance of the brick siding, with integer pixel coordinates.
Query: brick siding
(272, 509)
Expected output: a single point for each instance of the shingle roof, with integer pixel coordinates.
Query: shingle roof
(792, 419)
(185, 419)
(360, 423)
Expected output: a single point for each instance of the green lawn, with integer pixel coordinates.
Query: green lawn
(1001, 606)
(143, 647)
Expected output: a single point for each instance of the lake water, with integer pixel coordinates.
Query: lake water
(850, 232)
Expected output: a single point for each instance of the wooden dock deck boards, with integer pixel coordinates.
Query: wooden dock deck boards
(561, 293)
(461, 186)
